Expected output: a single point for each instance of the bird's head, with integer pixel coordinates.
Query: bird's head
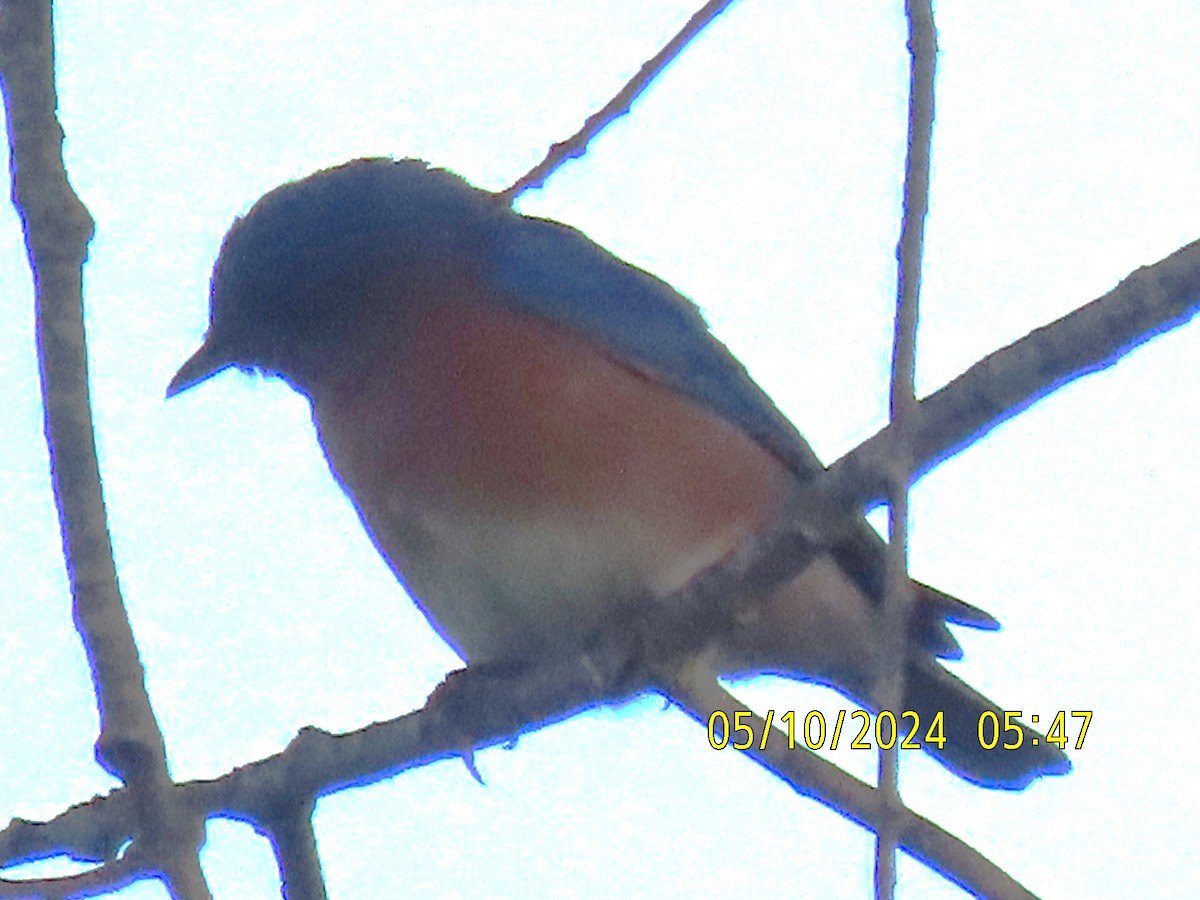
(295, 274)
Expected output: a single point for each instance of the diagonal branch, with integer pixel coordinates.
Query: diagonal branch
(809, 775)
(576, 145)
(263, 792)
(1150, 301)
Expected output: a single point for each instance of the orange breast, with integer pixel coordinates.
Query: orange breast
(486, 431)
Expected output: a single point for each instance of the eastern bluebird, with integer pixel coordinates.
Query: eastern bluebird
(534, 432)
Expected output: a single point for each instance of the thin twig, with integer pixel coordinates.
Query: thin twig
(576, 145)
(898, 605)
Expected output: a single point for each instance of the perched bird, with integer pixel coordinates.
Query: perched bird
(534, 432)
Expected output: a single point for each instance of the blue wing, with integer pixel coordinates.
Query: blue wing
(556, 272)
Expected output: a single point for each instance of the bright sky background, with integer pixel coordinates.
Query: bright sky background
(761, 177)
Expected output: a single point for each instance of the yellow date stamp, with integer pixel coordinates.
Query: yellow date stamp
(996, 730)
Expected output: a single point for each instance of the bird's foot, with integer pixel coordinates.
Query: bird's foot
(468, 708)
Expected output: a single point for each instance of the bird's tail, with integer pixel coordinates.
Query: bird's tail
(932, 691)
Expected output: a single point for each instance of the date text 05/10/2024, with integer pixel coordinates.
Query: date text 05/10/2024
(995, 730)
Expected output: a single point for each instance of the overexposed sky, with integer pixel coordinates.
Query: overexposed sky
(761, 177)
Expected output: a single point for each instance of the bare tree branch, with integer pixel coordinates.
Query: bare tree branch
(319, 763)
(295, 846)
(1151, 300)
(811, 776)
(576, 145)
(57, 231)
(474, 711)
(499, 706)
(898, 599)
(114, 876)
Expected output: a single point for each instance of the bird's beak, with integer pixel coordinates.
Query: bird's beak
(200, 366)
